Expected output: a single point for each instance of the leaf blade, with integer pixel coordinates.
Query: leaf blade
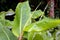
(42, 25)
(21, 18)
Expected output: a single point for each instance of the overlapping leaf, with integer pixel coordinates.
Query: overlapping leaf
(42, 25)
(22, 18)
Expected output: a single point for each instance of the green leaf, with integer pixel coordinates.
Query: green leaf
(38, 37)
(31, 35)
(45, 35)
(22, 18)
(8, 23)
(2, 15)
(37, 14)
(5, 34)
(42, 25)
(25, 35)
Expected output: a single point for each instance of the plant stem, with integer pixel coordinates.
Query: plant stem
(37, 6)
(21, 36)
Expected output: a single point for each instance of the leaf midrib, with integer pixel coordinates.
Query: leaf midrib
(21, 20)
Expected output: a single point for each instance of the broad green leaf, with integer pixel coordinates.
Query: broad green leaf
(42, 25)
(22, 18)
(5, 34)
(37, 14)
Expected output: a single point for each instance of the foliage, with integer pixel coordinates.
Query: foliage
(5, 33)
(21, 18)
(23, 25)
